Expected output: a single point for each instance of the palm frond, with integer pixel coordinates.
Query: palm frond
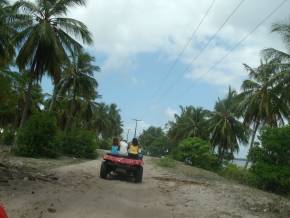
(75, 27)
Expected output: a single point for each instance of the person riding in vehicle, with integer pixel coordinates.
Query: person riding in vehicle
(123, 147)
(133, 150)
(115, 147)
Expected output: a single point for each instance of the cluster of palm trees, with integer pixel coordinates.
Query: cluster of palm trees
(221, 127)
(37, 39)
(264, 100)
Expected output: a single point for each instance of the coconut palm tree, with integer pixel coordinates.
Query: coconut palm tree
(80, 67)
(261, 98)
(6, 46)
(284, 56)
(89, 108)
(284, 30)
(78, 81)
(44, 46)
(115, 120)
(192, 122)
(12, 94)
(7, 31)
(227, 132)
(102, 121)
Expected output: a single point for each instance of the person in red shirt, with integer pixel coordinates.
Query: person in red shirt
(2, 212)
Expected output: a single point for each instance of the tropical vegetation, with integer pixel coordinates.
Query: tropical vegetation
(257, 114)
(155, 142)
(38, 39)
(196, 152)
(271, 162)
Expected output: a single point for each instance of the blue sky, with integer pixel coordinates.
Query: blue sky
(136, 42)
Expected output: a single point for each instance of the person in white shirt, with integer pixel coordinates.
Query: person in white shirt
(123, 147)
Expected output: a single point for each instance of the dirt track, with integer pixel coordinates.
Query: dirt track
(79, 192)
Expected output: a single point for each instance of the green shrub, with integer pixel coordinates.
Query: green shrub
(7, 137)
(78, 143)
(37, 137)
(240, 174)
(154, 142)
(271, 161)
(166, 162)
(196, 152)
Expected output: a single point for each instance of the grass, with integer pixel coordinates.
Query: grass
(167, 162)
(238, 174)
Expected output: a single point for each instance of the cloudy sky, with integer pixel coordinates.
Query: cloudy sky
(137, 41)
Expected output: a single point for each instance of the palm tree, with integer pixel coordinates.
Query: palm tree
(44, 45)
(261, 98)
(8, 80)
(192, 122)
(6, 46)
(227, 132)
(284, 76)
(284, 30)
(78, 81)
(89, 108)
(115, 118)
(78, 75)
(12, 97)
(7, 31)
(102, 121)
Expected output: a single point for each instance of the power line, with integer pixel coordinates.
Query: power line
(174, 82)
(193, 35)
(236, 45)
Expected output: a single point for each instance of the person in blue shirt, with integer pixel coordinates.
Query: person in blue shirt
(115, 146)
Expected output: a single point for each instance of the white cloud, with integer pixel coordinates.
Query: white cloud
(123, 28)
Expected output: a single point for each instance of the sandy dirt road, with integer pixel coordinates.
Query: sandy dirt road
(80, 193)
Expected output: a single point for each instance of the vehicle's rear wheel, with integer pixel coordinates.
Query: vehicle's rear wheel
(139, 175)
(104, 170)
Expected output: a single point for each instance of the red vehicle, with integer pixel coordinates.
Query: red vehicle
(122, 164)
(2, 212)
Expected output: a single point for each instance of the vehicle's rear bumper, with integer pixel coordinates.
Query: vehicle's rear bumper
(121, 160)
(122, 166)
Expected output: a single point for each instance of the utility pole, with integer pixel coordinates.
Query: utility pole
(136, 120)
(128, 134)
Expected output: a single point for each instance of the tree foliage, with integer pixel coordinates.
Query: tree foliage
(271, 162)
(37, 138)
(262, 99)
(38, 38)
(192, 122)
(155, 142)
(77, 143)
(196, 152)
(47, 40)
(227, 132)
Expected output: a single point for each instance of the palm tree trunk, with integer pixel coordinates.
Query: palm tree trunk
(70, 116)
(221, 156)
(27, 103)
(57, 89)
(72, 109)
(252, 141)
(53, 99)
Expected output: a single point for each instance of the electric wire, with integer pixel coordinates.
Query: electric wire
(193, 36)
(174, 82)
(234, 47)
